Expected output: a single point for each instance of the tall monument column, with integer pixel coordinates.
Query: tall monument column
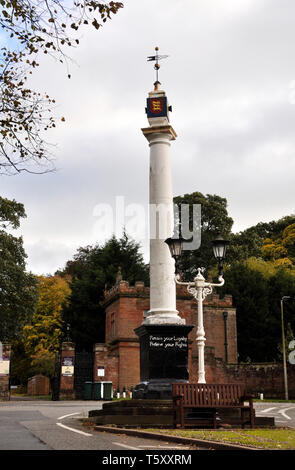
(162, 284)
(163, 333)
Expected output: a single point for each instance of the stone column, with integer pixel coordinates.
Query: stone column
(163, 334)
(5, 371)
(67, 370)
(162, 284)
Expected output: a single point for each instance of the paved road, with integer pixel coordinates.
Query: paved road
(40, 425)
(47, 425)
(284, 413)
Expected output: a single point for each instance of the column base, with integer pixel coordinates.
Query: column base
(163, 317)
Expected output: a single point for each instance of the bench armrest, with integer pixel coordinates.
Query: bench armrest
(248, 398)
(176, 398)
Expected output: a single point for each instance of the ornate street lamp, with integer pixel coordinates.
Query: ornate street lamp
(219, 250)
(175, 246)
(199, 289)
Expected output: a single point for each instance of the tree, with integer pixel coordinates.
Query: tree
(17, 287)
(43, 335)
(34, 27)
(257, 287)
(282, 283)
(249, 289)
(95, 268)
(281, 249)
(214, 218)
(261, 241)
(245, 244)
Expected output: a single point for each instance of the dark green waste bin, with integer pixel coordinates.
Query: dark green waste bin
(97, 386)
(87, 390)
(107, 390)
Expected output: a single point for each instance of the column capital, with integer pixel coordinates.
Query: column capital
(148, 131)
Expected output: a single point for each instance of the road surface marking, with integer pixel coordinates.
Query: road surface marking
(71, 414)
(282, 412)
(74, 430)
(176, 447)
(267, 410)
(124, 445)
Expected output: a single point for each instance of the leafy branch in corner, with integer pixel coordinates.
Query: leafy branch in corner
(33, 27)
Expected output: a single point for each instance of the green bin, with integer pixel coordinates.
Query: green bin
(107, 390)
(97, 386)
(87, 390)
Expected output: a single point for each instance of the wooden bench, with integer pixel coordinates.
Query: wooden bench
(197, 404)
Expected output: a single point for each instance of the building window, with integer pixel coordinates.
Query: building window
(113, 325)
(100, 371)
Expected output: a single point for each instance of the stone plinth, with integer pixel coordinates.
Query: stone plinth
(163, 359)
(142, 413)
(159, 414)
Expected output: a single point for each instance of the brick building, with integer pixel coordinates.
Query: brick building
(125, 307)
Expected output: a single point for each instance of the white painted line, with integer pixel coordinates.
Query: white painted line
(282, 412)
(124, 445)
(74, 430)
(71, 414)
(165, 447)
(267, 410)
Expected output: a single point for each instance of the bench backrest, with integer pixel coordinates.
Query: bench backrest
(209, 394)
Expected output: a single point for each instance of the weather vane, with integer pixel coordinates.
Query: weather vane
(156, 58)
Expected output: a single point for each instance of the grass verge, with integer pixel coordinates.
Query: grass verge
(281, 439)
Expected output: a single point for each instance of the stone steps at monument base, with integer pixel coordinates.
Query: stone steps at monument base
(135, 420)
(138, 403)
(159, 413)
(132, 411)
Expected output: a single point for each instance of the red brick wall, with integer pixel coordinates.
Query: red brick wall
(267, 378)
(107, 357)
(213, 324)
(67, 382)
(129, 371)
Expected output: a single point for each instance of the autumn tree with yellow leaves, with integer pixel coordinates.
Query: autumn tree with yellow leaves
(281, 250)
(43, 336)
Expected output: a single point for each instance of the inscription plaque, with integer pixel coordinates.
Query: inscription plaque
(168, 342)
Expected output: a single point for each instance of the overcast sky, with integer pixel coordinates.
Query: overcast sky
(230, 78)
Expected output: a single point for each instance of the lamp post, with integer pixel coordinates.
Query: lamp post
(283, 299)
(199, 288)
